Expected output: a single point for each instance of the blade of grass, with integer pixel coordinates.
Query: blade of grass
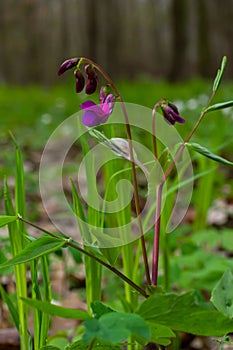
(36, 295)
(56, 310)
(92, 267)
(47, 298)
(203, 194)
(6, 219)
(16, 240)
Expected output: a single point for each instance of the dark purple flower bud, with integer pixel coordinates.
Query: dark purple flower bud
(92, 79)
(171, 113)
(91, 86)
(80, 81)
(90, 71)
(68, 64)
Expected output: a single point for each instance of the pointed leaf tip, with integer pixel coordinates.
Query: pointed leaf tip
(220, 105)
(205, 152)
(6, 219)
(219, 75)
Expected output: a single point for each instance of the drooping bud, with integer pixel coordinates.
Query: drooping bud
(80, 81)
(92, 79)
(90, 71)
(68, 64)
(171, 113)
(91, 86)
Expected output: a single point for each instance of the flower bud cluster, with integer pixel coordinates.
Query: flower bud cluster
(171, 113)
(92, 79)
(93, 114)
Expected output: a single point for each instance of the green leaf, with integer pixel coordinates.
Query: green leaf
(78, 345)
(185, 313)
(6, 219)
(226, 240)
(58, 341)
(205, 152)
(35, 249)
(56, 310)
(222, 294)
(20, 199)
(99, 309)
(76, 255)
(219, 75)
(221, 105)
(111, 254)
(115, 327)
(50, 347)
(160, 334)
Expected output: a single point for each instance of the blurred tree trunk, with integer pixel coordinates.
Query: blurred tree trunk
(30, 13)
(173, 38)
(109, 40)
(64, 34)
(92, 28)
(204, 56)
(179, 42)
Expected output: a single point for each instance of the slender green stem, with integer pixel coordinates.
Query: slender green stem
(155, 258)
(128, 130)
(70, 242)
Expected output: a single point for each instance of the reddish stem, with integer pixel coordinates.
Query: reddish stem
(155, 258)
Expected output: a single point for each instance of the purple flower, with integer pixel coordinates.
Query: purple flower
(80, 81)
(171, 113)
(94, 114)
(68, 64)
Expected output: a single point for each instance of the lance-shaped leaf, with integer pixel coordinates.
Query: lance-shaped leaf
(6, 219)
(219, 75)
(50, 347)
(205, 152)
(35, 249)
(56, 310)
(220, 105)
